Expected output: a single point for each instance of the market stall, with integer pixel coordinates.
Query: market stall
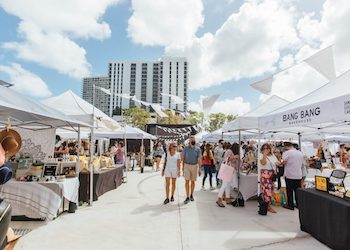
(77, 108)
(249, 124)
(323, 111)
(28, 120)
(104, 181)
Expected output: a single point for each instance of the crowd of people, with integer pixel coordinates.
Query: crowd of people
(221, 160)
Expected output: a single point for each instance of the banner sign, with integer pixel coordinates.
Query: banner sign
(333, 110)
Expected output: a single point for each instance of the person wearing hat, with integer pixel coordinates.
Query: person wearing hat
(10, 144)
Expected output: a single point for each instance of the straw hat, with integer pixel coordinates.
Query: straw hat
(11, 142)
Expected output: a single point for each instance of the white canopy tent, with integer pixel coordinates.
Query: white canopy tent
(130, 133)
(249, 121)
(26, 113)
(323, 111)
(75, 107)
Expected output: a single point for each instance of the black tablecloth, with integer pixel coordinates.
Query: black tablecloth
(325, 217)
(103, 182)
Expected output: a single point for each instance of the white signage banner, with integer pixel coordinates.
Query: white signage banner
(330, 111)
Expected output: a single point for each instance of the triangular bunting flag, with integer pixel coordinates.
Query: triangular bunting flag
(323, 62)
(263, 86)
(208, 102)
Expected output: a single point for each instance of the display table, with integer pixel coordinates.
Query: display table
(104, 181)
(248, 184)
(39, 200)
(325, 217)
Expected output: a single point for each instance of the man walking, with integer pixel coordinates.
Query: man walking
(293, 161)
(192, 161)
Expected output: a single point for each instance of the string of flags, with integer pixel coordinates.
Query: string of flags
(322, 62)
(177, 133)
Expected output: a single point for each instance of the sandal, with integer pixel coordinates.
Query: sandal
(220, 204)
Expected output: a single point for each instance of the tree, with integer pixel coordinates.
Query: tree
(171, 119)
(196, 118)
(138, 117)
(230, 118)
(216, 121)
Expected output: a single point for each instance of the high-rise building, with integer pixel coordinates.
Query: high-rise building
(101, 98)
(144, 80)
(147, 80)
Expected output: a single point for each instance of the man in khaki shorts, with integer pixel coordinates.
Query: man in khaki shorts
(191, 158)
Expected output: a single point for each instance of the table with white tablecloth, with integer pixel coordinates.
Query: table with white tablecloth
(39, 200)
(248, 184)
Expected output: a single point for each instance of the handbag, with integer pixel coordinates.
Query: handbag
(239, 201)
(263, 205)
(226, 172)
(274, 175)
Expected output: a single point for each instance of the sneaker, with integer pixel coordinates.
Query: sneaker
(191, 198)
(203, 188)
(166, 201)
(172, 199)
(187, 200)
(212, 188)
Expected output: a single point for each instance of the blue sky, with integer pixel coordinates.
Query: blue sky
(212, 20)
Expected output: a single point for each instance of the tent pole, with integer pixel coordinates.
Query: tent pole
(258, 160)
(299, 140)
(92, 148)
(239, 161)
(125, 155)
(79, 147)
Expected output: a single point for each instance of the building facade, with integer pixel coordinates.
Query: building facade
(144, 80)
(148, 80)
(101, 98)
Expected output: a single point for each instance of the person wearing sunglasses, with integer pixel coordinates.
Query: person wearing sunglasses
(171, 171)
(268, 163)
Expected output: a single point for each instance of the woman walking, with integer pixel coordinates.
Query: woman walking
(268, 163)
(229, 166)
(207, 164)
(158, 154)
(171, 171)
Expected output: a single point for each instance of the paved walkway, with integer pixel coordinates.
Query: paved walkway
(133, 217)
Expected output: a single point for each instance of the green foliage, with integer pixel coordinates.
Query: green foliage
(211, 123)
(137, 117)
(171, 119)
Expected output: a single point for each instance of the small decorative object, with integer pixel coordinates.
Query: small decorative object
(321, 183)
(68, 169)
(50, 169)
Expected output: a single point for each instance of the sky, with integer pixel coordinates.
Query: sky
(47, 46)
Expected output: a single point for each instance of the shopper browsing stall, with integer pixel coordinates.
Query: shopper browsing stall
(229, 165)
(293, 161)
(171, 171)
(268, 165)
(218, 155)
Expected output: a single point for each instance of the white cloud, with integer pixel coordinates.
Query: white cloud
(247, 45)
(48, 28)
(25, 81)
(159, 22)
(236, 106)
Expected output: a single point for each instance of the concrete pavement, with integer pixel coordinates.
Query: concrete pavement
(133, 217)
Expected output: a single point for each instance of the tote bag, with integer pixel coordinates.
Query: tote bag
(226, 172)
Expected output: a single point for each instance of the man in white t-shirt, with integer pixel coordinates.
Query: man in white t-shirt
(293, 161)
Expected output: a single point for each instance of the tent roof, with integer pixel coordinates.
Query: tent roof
(27, 113)
(130, 133)
(76, 107)
(249, 120)
(326, 107)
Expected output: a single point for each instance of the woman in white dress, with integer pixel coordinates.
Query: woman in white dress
(171, 171)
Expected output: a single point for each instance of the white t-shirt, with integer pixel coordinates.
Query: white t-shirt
(171, 162)
(270, 162)
(293, 167)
